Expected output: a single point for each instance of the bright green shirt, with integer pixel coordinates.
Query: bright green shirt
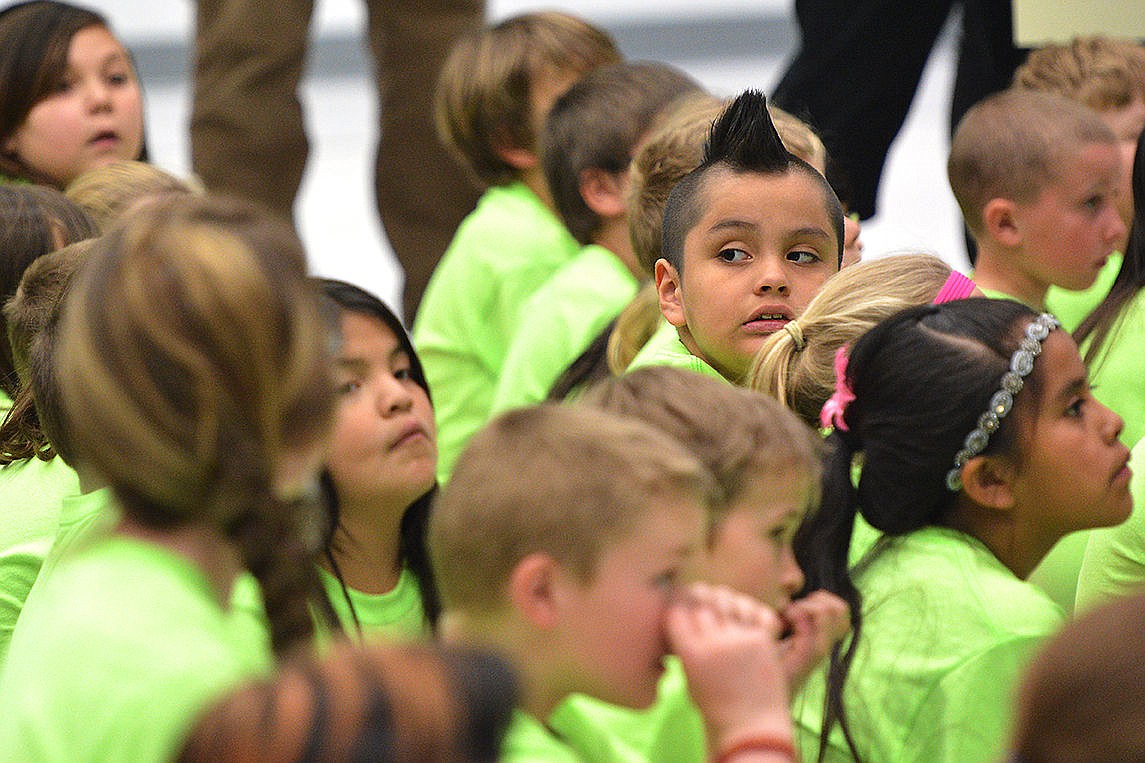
(664, 348)
(670, 731)
(502, 252)
(947, 632)
(395, 614)
(31, 493)
(528, 741)
(560, 321)
(1114, 563)
(1073, 307)
(125, 645)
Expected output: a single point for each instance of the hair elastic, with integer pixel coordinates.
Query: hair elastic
(795, 331)
(957, 286)
(1021, 364)
(832, 413)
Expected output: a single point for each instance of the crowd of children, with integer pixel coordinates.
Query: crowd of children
(661, 472)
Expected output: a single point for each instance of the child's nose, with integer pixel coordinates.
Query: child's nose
(393, 396)
(770, 276)
(793, 578)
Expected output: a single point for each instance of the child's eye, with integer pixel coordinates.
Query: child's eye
(803, 257)
(119, 78)
(1076, 408)
(1094, 203)
(62, 86)
(667, 580)
(349, 387)
(733, 255)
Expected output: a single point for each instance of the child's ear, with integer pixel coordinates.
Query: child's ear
(533, 590)
(668, 287)
(603, 192)
(988, 481)
(517, 157)
(1000, 220)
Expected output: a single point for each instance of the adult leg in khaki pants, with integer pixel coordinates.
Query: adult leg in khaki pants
(247, 130)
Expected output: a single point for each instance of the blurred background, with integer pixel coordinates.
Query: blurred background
(728, 45)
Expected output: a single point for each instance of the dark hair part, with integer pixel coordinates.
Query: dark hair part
(34, 41)
(1099, 326)
(743, 140)
(597, 124)
(921, 380)
(412, 554)
(34, 220)
(353, 704)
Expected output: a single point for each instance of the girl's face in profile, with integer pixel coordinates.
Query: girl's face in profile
(1074, 472)
(385, 444)
(92, 116)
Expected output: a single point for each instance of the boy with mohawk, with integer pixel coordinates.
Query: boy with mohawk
(749, 238)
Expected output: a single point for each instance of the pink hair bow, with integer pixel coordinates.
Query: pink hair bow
(957, 286)
(836, 405)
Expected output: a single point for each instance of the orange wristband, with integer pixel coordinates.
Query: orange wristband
(759, 743)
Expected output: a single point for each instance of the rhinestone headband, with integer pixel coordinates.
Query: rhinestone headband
(1021, 364)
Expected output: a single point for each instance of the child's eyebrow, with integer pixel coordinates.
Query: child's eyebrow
(1074, 387)
(813, 231)
(732, 225)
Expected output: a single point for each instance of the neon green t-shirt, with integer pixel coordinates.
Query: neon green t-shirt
(502, 252)
(1114, 563)
(670, 731)
(664, 348)
(560, 320)
(528, 741)
(115, 658)
(31, 493)
(947, 632)
(1118, 372)
(395, 614)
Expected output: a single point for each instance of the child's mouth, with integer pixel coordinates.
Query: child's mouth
(767, 323)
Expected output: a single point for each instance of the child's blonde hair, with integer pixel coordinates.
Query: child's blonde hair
(1104, 73)
(740, 435)
(1013, 144)
(107, 191)
(562, 480)
(484, 92)
(195, 368)
(797, 365)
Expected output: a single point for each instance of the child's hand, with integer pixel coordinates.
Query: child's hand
(817, 622)
(729, 646)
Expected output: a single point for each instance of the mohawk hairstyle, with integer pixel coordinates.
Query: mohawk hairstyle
(743, 139)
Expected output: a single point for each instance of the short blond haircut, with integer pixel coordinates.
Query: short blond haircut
(1104, 73)
(107, 191)
(797, 365)
(740, 435)
(1013, 144)
(485, 89)
(566, 481)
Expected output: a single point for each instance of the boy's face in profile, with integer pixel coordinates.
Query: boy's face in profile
(613, 624)
(1072, 226)
(750, 550)
(763, 247)
(1127, 122)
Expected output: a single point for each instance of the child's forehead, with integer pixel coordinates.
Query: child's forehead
(728, 192)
